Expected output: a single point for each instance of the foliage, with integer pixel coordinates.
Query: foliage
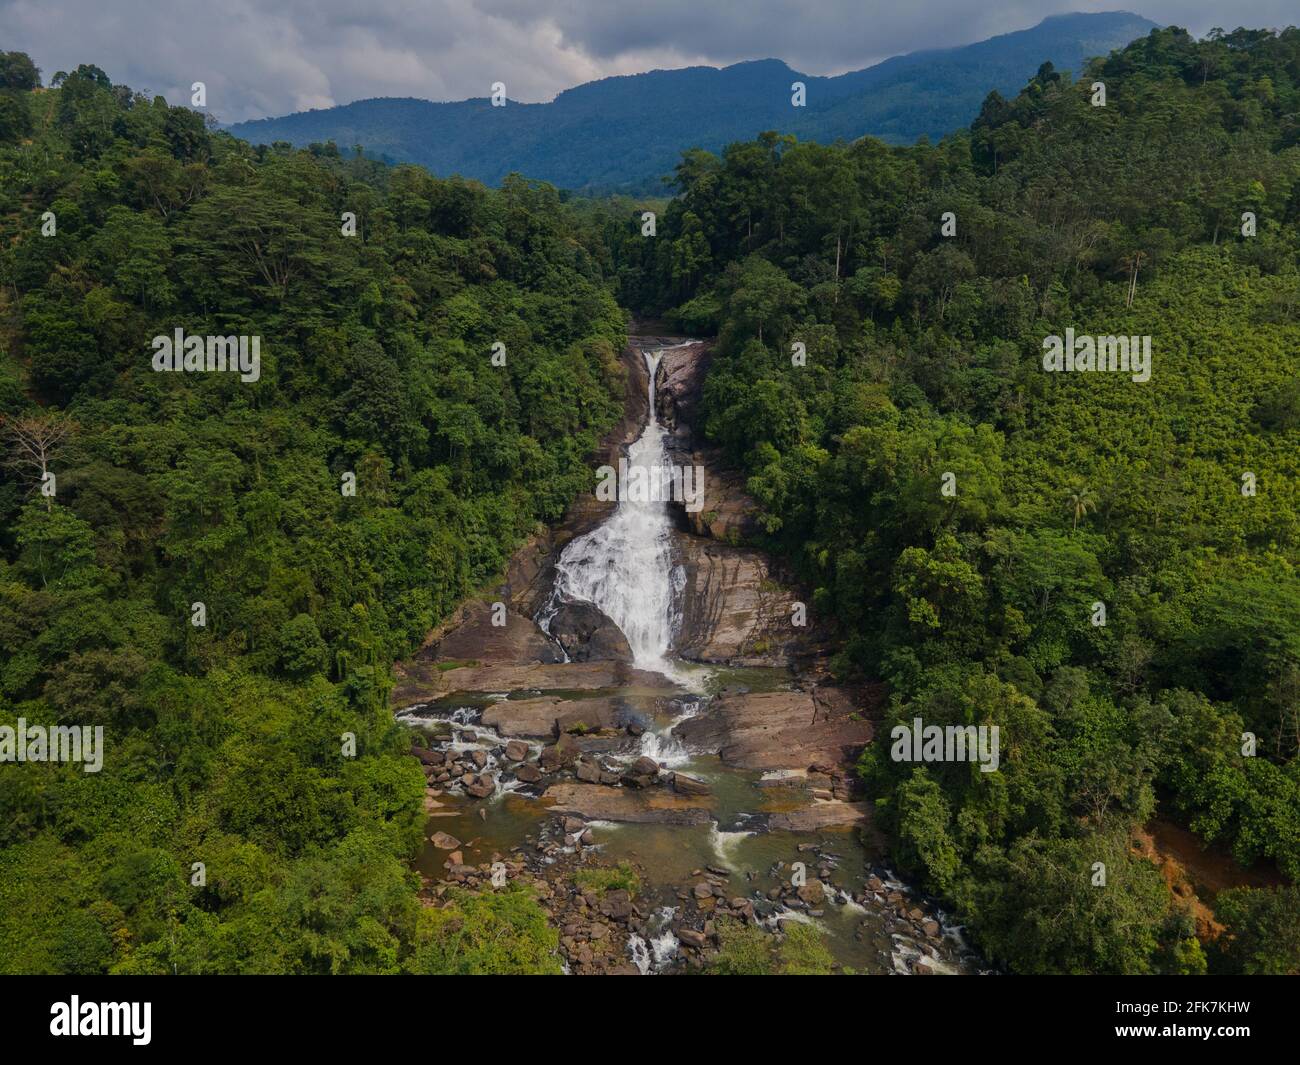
(924, 366)
(224, 743)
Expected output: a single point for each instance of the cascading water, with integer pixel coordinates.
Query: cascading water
(625, 565)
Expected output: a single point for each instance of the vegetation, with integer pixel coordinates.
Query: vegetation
(231, 829)
(600, 879)
(624, 134)
(800, 950)
(1072, 490)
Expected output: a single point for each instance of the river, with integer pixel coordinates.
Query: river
(626, 567)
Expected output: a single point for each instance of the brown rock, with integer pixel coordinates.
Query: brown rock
(779, 730)
(684, 785)
(597, 803)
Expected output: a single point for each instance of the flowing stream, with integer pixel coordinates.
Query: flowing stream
(625, 567)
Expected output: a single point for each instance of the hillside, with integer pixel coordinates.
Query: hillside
(624, 133)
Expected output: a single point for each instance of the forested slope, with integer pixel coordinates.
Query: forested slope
(1072, 490)
(225, 743)
(625, 133)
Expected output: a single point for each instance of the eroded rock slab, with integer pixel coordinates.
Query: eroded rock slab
(779, 730)
(821, 815)
(548, 716)
(421, 681)
(597, 802)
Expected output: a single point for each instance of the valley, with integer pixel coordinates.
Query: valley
(680, 735)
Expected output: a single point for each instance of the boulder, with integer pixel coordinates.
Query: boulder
(812, 893)
(821, 815)
(587, 635)
(444, 841)
(684, 785)
(482, 787)
(475, 638)
(516, 750)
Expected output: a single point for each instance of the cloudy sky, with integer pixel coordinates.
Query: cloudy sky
(261, 59)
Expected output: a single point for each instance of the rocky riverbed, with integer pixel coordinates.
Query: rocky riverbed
(709, 775)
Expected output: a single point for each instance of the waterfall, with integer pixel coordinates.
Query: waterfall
(625, 565)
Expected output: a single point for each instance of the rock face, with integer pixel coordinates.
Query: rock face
(587, 635)
(779, 730)
(729, 511)
(476, 639)
(733, 610)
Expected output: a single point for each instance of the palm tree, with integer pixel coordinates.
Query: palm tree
(1081, 501)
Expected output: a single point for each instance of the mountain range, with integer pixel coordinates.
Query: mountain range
(622, 134)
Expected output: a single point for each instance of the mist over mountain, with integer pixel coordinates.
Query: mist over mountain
(624, 133)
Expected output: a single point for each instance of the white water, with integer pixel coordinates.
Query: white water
(651, 955)
(625, 565)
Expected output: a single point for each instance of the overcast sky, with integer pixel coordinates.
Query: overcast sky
(261, 59)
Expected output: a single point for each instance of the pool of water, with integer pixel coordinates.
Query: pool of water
(669, 858)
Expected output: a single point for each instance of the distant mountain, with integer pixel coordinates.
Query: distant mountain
(623, 133)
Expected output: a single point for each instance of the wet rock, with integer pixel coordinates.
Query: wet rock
(587, 635)
(779, 730)
(684, 785)
(528, 773)
(691, 938)
(733, 610)
(822, 815)
(582, 716)
(420, 680)
(516, 750)
(549, 716)
(597, 803)
(562, 752)
(811, 893)
(444, 841)
(481, 787)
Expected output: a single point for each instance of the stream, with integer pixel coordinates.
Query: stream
(625, 567)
